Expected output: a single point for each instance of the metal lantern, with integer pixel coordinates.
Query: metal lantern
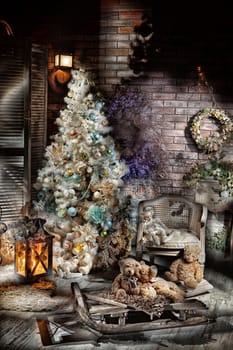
(33, 251)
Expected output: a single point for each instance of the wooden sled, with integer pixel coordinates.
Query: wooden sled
(110, 317)
(96, 317)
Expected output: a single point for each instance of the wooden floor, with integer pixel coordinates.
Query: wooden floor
(21, 308)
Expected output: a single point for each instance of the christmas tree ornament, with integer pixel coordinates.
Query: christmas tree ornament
(95, 137)
(92, 116)
(105, 123)
(72, 211)
(96, 214)
(98, 155)
(103, 233)
(102, 148)
(108, 223)
(89, 170)
(61, 213)
(76, 178)
(69, 156)
(97, 195)
(99, 106)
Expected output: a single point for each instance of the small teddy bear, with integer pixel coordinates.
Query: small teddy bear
(187, 269)
(147, 276)
(126, 282)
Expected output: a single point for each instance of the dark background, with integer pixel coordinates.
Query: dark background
(52, 18)
(48, 19)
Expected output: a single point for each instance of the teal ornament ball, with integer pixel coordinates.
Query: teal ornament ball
(72, 211)
(108, 224)
(69, 156)
(92, 116)
(99, 106)
(96, 214)
(76, 178)
(95, 137)
(67, 178)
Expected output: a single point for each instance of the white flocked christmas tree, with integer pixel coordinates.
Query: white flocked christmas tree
(79, 188)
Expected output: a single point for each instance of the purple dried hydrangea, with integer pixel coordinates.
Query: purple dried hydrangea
(121, 102)
(139, 143)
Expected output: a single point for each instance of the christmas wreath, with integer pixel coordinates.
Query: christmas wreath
(214, 142)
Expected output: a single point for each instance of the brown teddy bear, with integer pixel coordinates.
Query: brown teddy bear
(126, 282)
(169, 289)
(145, 273)
(187, 269)
(147, 276)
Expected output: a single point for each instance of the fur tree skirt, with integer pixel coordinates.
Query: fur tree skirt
(152, 306)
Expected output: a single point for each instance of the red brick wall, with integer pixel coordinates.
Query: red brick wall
(171, 85)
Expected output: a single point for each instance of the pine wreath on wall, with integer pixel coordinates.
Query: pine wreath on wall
(212, 143)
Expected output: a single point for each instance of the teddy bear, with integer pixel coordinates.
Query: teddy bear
(169, 289)
(125, 283)
(145, 274)
(187, 269)
(148, 279)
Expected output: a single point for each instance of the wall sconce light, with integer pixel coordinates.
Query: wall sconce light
(63, 60)
(60, 75)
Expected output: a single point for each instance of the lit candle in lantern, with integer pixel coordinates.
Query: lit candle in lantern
(33, 251)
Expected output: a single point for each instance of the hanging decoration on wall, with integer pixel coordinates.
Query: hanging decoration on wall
(212, 143)
(144, 46)
(201, 77)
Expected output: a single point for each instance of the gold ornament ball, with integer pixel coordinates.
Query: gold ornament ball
(102, 148)
(69, 172)
(105, 173)
(104, 122)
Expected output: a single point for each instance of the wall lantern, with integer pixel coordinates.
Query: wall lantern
(63, 60)
(33, 251)
(60, 75)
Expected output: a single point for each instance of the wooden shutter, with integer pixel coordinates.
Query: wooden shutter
(22, 107)
(38, 127)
